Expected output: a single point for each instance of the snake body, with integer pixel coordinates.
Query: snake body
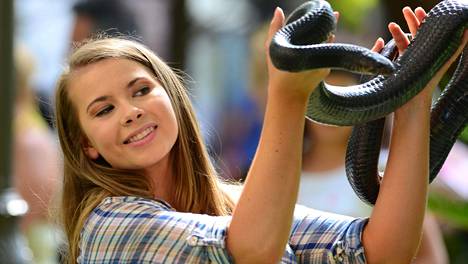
(299, 46)
(449, 116)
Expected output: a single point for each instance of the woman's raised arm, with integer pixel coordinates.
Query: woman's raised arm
(395, 226)
(262, 219)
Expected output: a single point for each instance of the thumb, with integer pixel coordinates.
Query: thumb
(276, 23)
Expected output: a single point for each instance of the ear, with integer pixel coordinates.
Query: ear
(89, 150)
(91, 153)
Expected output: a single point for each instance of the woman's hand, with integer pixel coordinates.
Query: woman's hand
(414, 19)
(302, 83)
(401, 204)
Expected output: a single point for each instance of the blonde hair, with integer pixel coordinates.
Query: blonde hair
(87, 182)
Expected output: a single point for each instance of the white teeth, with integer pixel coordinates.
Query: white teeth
(141, 135)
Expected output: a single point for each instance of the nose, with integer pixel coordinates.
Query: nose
(131, 115)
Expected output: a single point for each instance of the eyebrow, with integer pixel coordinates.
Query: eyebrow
(105, 97)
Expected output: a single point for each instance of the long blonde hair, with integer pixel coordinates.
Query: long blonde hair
(87, 182)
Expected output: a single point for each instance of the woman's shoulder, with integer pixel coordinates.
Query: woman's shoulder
(149, 231)
(117, 203)
(118, 209)
(117, 213)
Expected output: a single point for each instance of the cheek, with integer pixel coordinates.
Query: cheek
(175, 130)
(173, 121)
(171, 127)
(101, 136)
(165, 110)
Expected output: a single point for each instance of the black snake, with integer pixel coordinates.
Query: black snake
(299, 46)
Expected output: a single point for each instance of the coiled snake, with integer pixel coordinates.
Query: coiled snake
(298, 46)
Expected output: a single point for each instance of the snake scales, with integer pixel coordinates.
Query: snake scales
(299, 46)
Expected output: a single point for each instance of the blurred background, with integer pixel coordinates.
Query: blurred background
(219, 45)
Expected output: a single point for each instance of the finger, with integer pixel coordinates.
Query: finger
(399, 36)
(276, 23)
(331, 37)
(420, 14)
(337, 15)
(378, 45)
(411, 20)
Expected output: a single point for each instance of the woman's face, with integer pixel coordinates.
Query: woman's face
(125, 113)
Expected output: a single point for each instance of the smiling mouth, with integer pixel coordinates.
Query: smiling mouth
(140, 136)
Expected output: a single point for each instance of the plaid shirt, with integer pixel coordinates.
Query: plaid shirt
(138, 230)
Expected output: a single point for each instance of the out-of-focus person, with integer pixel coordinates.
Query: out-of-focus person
(110, 17)
(36, 160)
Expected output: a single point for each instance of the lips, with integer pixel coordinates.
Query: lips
(140, 134)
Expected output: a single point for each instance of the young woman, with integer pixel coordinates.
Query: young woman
(139, 185)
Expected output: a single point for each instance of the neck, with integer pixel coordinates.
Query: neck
(161, 178)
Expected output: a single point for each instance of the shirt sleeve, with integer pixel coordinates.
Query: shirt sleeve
(145, 231)
(320, 237)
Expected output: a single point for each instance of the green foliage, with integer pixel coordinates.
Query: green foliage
(464, 135)
(352, 12)
(454, 211)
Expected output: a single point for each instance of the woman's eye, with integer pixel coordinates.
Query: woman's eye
(105, 110)
(142, 91)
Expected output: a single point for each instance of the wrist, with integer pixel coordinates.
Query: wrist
(286, 97)
(295, 83)
(292, 90)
